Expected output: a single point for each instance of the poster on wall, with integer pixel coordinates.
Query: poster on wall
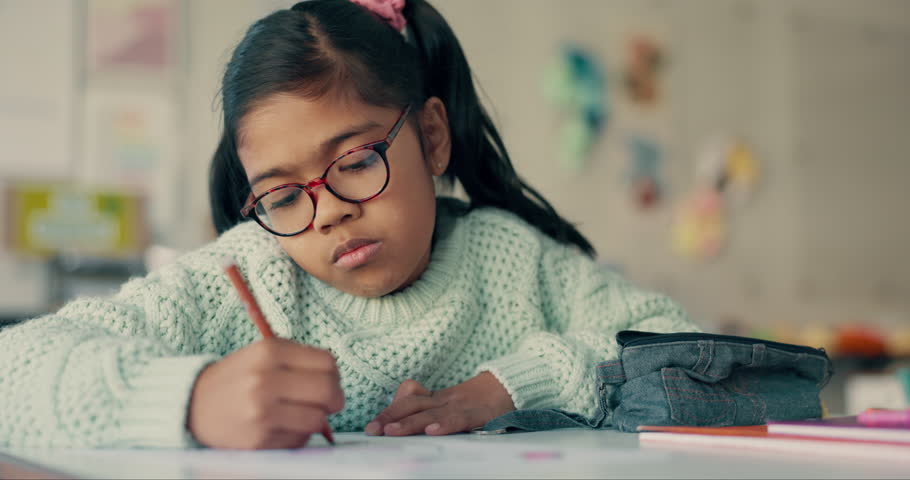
(50, 218)
(132, 35)
(131, 141)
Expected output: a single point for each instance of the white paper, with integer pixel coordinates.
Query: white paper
(354, 456)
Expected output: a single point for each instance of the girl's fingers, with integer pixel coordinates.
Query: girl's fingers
(437, 421)
(410, 398)
(413, 424)
(292, 417)
(293, 355)
(404, 407)
(315, 388)
(450, 421)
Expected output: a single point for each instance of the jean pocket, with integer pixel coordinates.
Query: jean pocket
(696, 403)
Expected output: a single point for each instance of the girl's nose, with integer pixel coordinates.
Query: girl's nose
(332, 211)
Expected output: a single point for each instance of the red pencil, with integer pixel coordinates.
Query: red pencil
(246, 296)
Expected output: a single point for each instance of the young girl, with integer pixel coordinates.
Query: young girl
(398, 313)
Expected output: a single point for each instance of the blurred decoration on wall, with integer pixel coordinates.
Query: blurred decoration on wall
(577, 85)
(645, 183)
(727, 174)
(700, 225)
(131, 141)
(727, 163)
(132, 35)
(48, 219)
(644, 62)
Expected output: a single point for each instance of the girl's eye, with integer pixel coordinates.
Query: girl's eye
(283, 198)
(363, 162)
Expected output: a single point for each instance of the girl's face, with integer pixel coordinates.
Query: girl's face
(367, 249)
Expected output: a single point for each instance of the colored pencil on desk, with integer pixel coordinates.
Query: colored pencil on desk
(252, 308)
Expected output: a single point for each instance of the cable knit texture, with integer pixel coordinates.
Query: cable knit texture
(498, 296)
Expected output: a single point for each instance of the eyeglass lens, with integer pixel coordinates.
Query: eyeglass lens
(353, 177)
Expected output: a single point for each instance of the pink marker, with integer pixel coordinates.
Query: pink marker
(878, 417)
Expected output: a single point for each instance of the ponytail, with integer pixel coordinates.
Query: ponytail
(480, 161)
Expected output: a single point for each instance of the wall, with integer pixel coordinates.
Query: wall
(818, 88)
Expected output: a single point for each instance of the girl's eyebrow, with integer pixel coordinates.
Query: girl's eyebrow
(332, 143)
(270, 173)
(326, 146)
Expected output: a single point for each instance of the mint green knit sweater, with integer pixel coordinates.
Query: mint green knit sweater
(498, 295)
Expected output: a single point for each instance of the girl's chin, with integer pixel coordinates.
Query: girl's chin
(372, 288)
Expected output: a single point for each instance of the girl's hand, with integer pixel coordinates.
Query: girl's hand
(273, 393)
(456, 409)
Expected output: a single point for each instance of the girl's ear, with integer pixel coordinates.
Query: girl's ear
(437, 139)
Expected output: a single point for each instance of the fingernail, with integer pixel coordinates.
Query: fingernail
(432, 428)
(393, 427)
(373, 428)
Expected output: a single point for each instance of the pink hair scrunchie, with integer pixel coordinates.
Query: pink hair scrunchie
(388, 10)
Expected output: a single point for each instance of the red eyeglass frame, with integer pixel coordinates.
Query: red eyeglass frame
(379, 147)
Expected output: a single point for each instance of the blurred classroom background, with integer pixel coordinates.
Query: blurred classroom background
(747, 157)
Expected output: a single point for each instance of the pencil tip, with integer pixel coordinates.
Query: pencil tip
(327, 433)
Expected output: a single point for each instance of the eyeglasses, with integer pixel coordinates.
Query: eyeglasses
(358, 175)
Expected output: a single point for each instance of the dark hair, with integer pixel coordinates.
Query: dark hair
(320, 45)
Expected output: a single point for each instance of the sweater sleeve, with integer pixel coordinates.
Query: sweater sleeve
(104, 372)
(585, 305)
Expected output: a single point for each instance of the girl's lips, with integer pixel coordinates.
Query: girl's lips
(355, 253)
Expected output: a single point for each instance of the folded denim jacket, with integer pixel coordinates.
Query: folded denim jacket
(694, 379)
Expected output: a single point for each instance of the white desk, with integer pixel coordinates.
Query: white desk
(572, 453)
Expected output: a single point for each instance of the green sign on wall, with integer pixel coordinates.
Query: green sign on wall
(50, 218)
